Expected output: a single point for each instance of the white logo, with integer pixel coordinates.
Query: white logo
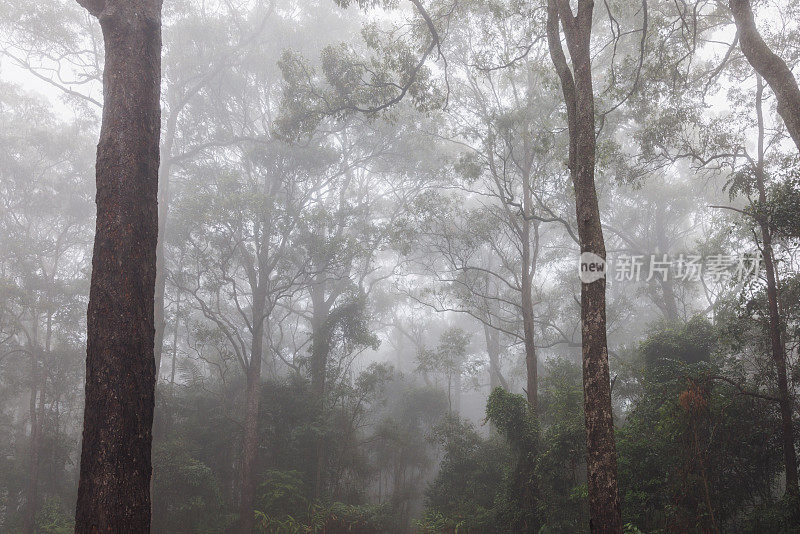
(592, 268)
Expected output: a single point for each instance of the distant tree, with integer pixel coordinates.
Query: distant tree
(237, 235)
(45, 230)
(450, 358)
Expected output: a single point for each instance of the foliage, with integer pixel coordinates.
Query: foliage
(694, 452)
(54, 518)
(462, 497)
(185, 492)
(690, 342)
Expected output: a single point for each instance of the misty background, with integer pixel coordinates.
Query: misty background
(361, 268)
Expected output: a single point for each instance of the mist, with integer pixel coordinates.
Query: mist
(378, 267)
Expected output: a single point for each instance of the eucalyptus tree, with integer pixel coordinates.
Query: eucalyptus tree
(238, 227)
(344, 237)
(769, 65)
(204, 43)
(729, 145)
(759, 184)
(657, 220)
(500, 123)
(577, 88)
(449, 358)
(114, 492)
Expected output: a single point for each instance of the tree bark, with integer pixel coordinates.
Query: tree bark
(770, 66)
(576, 84)
(113, 491)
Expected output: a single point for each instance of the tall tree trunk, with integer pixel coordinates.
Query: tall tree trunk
(113, 492)
(775, 323)
(779, 357)
(163, 212)
(576, 84)
(252, 403)
(320, 348)
(528, 267)
(769, 65)
(670, 308)
(320, 343)
(457, 390)
(492, 337)
(32, 487)
(531, 363)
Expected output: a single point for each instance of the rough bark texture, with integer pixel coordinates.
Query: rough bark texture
(770, 66)
(113, 492)
(775, 322)
(604, 507)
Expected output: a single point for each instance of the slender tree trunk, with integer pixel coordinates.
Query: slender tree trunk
(163, 213)
(775, 323)
(320, 344)
(252, 402)
(576, 84)
(113, 492)
(492, 337)
(665, 281)
(32, 487)
(531, 363)
(528, 266)
(765, 62)
(457, 391)
(320, 348)
(670, 303)
(779, 357)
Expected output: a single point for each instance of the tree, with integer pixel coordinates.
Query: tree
(114, 488)
(753, 180)
(44, 233)
(576, 85)
(238, 231)
(770, 66)
(450, 358)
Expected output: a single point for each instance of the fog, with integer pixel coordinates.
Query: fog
(436, 266)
